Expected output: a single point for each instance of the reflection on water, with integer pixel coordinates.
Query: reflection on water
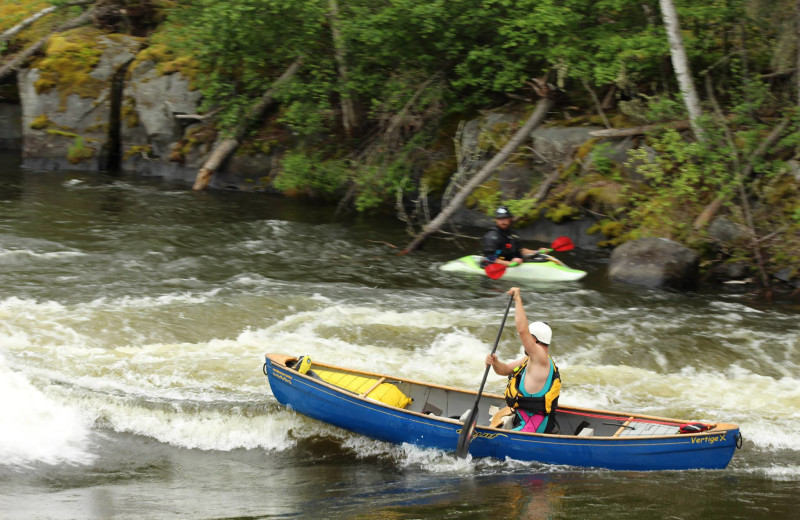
(134, 316)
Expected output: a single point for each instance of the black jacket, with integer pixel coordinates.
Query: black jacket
(505, 245)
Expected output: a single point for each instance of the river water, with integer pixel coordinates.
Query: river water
(135, 314)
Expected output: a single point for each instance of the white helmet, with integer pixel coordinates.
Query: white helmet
(541, 331)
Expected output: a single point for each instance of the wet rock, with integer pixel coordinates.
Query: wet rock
(728, 271)
(149, 129)
(10, 126)
(67, 126)
(655, 262)
(788, 275)
(725, 231)
(557, 144)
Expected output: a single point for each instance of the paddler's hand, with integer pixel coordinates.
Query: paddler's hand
(516, 262)
(514, 291)
(491, 359)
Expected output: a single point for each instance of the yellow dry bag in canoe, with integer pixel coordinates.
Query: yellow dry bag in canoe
(386, 393)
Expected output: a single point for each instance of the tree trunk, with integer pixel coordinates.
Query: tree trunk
(349, 120)
(597, 103)
(23, 56)
(638, 130)
(542, 108)
(715, 205)
(681, 64)
(229, 145)
(797, 67)
(24, 23)
(36, 16)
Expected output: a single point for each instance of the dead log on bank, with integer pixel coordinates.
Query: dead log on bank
(26, 22)
(544, 105)
(639, 130)
(229, 145)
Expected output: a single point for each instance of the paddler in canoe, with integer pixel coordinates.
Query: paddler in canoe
(534, 382)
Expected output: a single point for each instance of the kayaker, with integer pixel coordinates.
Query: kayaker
(502, 244)
(534, 382)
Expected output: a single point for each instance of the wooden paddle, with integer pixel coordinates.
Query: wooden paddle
(495, 271)
(462, 448)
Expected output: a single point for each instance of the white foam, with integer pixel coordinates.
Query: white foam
(118, 375)
(185, 297)
(37, 429)
(788, 473)
(13, 256)
(220, 430)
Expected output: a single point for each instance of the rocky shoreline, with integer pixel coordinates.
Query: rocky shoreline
(119, 109)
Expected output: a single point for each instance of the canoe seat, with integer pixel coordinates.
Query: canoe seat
(503, 419)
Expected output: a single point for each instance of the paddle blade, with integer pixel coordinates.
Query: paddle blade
(495, 271)
(462, 449)
(562, 244)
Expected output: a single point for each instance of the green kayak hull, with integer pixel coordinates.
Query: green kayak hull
(550, 271)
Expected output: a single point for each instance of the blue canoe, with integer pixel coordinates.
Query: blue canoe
(400, 410)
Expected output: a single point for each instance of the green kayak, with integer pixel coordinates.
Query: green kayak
(549, 270)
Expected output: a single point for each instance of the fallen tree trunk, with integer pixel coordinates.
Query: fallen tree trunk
(24, 23)
(639, 130)
(10, 33)
(229, 145)
(542, 108)
(23, 56)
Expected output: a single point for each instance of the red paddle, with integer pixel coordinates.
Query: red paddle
(495, 271)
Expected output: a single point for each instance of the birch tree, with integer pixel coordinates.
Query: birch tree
(681, 64)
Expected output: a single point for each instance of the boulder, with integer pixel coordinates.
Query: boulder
(149, 129)
(556, 144)
(655, 262)
(66, 103)
(725, 231)
(736, 271)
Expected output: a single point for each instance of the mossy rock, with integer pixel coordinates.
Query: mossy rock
(69, 59)
(79, 152)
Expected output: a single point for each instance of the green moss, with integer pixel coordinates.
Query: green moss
(69, 59)
(129, 114)
(62, 133)
(561, 213)
(585, 149)
(164, 52)
(79, 152)
(485, 197)
(438, 174)
(144, 150)
(608, 228)
(41, 122)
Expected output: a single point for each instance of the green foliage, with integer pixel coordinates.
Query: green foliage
(562, 212)
(601, 158)
(311, 175)
(414, 67)
(520, 208)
